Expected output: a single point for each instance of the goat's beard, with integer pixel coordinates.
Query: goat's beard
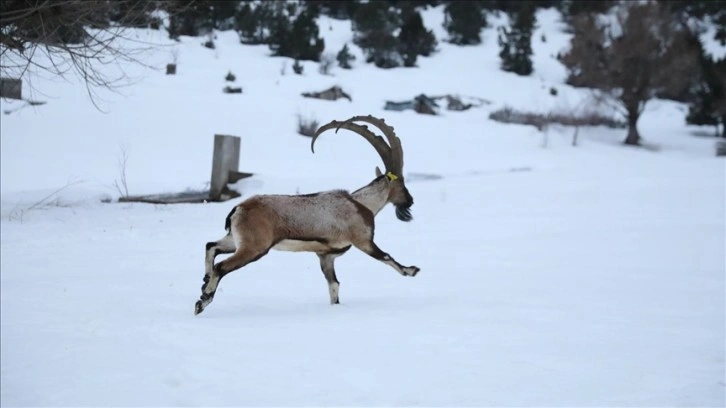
(403, 213)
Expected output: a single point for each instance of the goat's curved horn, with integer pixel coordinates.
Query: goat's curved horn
(393, 140)
(376, 141)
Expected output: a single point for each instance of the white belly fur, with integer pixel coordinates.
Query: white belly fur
(300, 246)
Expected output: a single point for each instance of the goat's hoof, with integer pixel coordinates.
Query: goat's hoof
(413, 270)
(198, 308)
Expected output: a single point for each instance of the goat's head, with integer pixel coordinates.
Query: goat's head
(391, 153)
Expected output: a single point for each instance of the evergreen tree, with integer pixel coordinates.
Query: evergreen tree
(404, 4)
(248, 25)
(258, 24)
(277, 24)
(516, 42)
(300, 40)
(375, 16)
(414, 39)
(198, 17)
(464, 21)
(381, 49)
(345, 57)
(123, 8)
(709, 104)
(342, 10)
(192, 18)
(570, 9)
(374, 24)
(223, 13)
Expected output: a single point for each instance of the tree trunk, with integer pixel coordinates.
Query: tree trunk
(633, 138)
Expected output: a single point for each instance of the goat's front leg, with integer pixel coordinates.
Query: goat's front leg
(327, 265)
(370, 248)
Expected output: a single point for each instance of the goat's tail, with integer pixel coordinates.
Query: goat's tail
(228, 221)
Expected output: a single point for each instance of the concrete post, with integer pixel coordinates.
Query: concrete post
(224, 161)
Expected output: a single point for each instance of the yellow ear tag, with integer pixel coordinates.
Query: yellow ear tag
(391, 176)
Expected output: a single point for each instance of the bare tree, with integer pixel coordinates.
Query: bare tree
(62, 37)
(121, 184)
(642, 53)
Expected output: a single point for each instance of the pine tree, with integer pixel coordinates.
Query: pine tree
(374, 24)
(197, 17)
(120, 9)
(414, 39)
(464, 21)
(247, 25)
(259, 24)
(300, 41)
(223, 13)
(341, 10)
(709, 104)
(516, 43)
(573, 8)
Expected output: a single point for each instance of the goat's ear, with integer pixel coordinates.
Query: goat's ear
(378, 172)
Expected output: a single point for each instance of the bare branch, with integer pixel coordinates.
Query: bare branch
(121, 184)
(45, 199)
(65, 37)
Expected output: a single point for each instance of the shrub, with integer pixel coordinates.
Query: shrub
(345, 58)
(541, 120)
(297, 67)
(307, 126)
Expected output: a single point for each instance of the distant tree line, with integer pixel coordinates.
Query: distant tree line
(630, 51)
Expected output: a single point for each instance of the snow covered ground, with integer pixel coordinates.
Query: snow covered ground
(551, 275)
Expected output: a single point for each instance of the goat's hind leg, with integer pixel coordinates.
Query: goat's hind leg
(370, 248)
(240, 258)
(224, 245)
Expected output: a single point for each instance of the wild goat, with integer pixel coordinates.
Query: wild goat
(327, 223)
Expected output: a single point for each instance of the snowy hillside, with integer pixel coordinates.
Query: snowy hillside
(550, 274)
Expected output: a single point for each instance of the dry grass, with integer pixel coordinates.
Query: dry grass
(541, 120)
(307, 126)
